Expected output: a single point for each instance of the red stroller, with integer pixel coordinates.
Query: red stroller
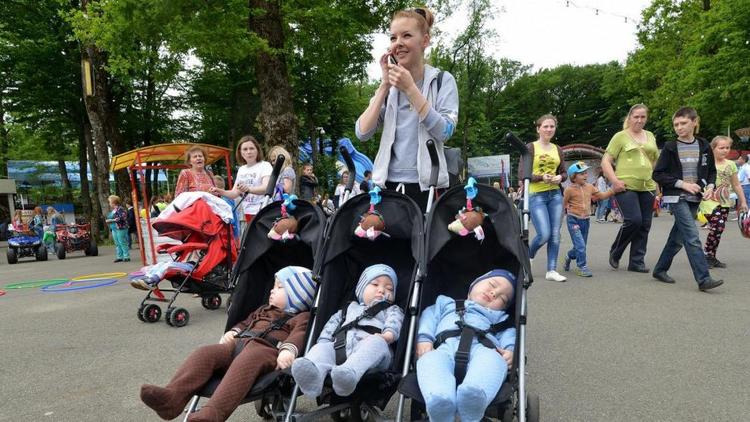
(201, 263)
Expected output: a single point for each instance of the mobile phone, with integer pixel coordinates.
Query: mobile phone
(392, 59)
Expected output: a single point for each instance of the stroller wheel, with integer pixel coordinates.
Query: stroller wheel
(140, 313)
(212, 301)
(532, 408)
(263, 409)
(151, 313)
(179, 317)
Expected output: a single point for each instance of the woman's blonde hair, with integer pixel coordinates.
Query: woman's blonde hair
(639, 106)
(191, 150)
(717, 139)
(422, 15)
(238, 154)
(277, 150)
(219, 181)
(116, 199)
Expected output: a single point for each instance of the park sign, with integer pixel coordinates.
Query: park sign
(490, 166)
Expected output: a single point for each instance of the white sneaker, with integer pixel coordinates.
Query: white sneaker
(554, 276)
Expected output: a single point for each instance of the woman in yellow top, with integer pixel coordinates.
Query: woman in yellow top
(628, 164)
(545, 197)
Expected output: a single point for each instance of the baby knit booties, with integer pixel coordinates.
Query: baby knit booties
(344, 380)
(166, 403)
(307, 375)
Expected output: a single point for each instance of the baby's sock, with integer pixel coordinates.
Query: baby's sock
(163, 401)
(471, 402)
(308, 377)
(344, 379)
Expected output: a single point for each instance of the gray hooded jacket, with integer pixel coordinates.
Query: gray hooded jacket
(438, 125)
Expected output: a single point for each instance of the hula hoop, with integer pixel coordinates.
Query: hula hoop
(36, 283)
(99, 276)
(2, 292)
(68, 287)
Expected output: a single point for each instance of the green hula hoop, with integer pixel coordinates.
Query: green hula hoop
(36, 283)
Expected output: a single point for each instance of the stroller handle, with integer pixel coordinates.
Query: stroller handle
(434, 162)
(277, 165)
(521, 147)
(349, 166)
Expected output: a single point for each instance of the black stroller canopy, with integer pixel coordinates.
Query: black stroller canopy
(454, 261)
(346, 255)
(260, 257)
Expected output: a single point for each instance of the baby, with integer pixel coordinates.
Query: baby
(269, 339)
(491, 353)
(377, 324)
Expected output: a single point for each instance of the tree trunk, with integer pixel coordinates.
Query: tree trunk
(4, 140)
(277, 119)
(97, 221)
(67, 188)
(83, 162)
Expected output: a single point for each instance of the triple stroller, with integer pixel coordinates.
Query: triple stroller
(429, 260)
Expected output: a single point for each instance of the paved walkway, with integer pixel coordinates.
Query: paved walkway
(617, 347)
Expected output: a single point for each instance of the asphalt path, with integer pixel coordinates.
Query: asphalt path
(616, 347)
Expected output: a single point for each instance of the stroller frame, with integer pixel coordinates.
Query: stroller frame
(149, 311)
(525, 407)
(358, 407)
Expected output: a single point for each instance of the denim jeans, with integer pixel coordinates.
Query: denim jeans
(637, 212)
(684, 233)
(546, 214)
(602, 208)
(579, 234)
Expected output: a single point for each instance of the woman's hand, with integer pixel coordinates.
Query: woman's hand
(384, 68)
(424, 347)
(285, 359)
(557, 179)
(228, 337)
(618, 186)
(400, 77)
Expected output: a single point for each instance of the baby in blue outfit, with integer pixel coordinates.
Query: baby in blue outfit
(364, 350)
(489, 296)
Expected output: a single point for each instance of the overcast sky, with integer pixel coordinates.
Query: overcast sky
(547, 33)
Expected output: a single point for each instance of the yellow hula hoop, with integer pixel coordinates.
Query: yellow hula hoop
(99, 276)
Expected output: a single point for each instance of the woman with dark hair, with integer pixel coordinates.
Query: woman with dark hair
(415, 102)
(628, 164)
(545, 197)
(252, 177)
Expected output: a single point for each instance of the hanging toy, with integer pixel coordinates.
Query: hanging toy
(469, 219)
(371, 225)
(285, 227)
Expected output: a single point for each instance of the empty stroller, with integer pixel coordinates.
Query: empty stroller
(452, 262)
(344, 256)
(201, 263)
(260, 258)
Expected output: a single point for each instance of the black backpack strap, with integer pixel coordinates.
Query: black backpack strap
(339, 343)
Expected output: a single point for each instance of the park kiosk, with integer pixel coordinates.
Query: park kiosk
(159, 157)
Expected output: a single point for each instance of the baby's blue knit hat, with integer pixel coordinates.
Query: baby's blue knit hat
(299, 287)
(371, 273)
(496, 273)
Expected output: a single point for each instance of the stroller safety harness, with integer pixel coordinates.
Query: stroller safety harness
(249, 334)
(339, 343)
(467, 333)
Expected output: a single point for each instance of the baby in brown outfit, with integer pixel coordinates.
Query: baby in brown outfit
(245, 360)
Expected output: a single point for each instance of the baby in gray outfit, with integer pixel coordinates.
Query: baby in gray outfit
(367, 341)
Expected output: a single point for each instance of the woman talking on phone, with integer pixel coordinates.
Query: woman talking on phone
(415, 102)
